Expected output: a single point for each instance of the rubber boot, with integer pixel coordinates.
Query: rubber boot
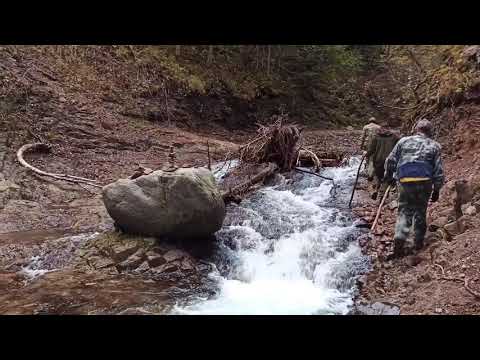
(419, 245)
(398, 248)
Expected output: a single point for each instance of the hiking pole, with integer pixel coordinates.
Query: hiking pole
(356, 181)
(380, 207)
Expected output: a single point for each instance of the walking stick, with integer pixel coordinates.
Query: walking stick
(356, 181)
(380, 208)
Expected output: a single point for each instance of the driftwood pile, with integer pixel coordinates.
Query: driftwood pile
(276, 143)
(276, 147)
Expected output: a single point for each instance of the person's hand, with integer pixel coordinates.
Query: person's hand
(389, 180)
(435, 195)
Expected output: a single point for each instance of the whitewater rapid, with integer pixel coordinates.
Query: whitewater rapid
(288, 249)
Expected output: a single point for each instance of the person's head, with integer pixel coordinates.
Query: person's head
(384, 124)
(424, 127)
(372, 120)
(384, 128)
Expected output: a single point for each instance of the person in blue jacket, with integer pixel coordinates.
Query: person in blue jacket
(415, 163)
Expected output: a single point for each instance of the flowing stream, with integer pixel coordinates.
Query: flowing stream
(289, 248)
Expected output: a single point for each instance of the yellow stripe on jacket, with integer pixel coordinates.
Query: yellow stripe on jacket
(413, 179)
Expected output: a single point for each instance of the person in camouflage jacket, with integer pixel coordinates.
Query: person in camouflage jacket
(415, 163)
(369, 132)
(380, 147)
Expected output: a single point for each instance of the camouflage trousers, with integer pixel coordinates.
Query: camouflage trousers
(370, 169)
(379, 185)
(412, 210)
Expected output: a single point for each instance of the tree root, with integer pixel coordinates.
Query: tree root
(475, 294)
(441, 268)
(41, 147)
(276, 143)
(465, 282)
(307, 154)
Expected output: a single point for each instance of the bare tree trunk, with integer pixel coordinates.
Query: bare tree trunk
(166, 104)
(269, 53)
(262, 60)
(209, 158)
(386, 49)
(279, 56)
(257, 57)
(415, 60)
(177, 50)
(72, 52)
(210, 54)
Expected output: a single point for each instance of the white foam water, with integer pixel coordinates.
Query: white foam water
(32, 270)
(221, 169)
(287, 250)
(44, 263)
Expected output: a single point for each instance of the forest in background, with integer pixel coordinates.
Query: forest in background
(233, 86)
(237, 86)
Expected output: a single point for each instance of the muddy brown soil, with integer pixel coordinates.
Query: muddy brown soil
(37, 211)
(47, 226)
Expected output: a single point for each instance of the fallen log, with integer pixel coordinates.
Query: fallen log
(329, 162)
(232, 194)
(41, 147)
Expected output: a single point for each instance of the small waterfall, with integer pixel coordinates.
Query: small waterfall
(288, 249)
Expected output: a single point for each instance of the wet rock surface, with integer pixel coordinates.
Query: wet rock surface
(106, 273)
(183, 204)
(377, 308)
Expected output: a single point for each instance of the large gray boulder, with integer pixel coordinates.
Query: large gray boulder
(183, 204)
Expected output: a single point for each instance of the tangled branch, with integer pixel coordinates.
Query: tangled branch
(276, 143)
